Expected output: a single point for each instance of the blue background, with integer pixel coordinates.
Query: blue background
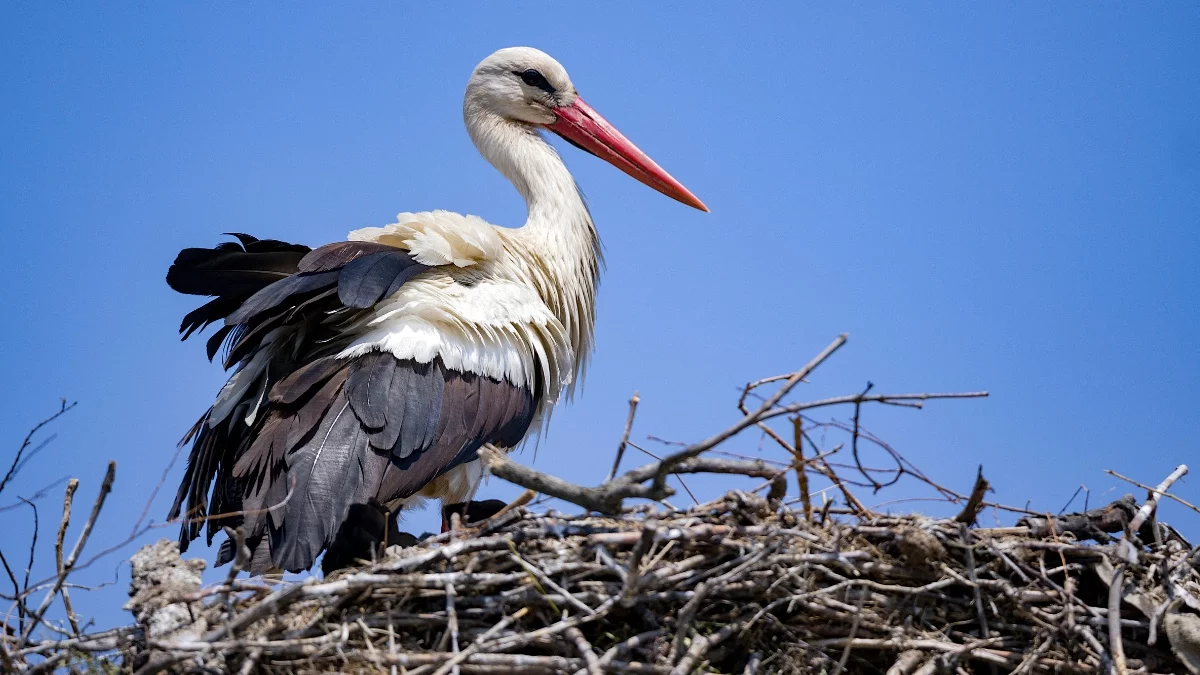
(999, 198)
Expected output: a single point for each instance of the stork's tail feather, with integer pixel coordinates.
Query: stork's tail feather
(232, 272)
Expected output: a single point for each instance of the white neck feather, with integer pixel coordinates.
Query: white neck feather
(557, 251)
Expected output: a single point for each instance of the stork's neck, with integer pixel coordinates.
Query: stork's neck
(558, 246)
(535, 169)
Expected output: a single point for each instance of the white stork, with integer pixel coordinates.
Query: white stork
(369, 372)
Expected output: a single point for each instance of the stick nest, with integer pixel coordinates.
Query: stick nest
(740, 584)
(750, 582)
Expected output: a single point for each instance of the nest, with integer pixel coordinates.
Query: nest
(750, 582)
(740, 584)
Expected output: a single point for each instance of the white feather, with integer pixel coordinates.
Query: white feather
(438, 238)
(497, 328)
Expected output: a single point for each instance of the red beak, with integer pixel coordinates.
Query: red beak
(585, 128)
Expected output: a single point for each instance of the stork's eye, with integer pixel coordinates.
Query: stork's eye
(533, 78)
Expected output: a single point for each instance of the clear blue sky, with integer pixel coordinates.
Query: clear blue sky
(1002, 198)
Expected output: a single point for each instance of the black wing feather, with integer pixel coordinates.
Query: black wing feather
(372, 277)
(272, 296)
(331, 434)
(333, 256)
(367, 387)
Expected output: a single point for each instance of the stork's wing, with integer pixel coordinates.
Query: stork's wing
(298, 435)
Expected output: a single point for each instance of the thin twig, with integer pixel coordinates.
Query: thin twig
(68, 498)
(63, 409)
(633, 568)
(1150, 489)
(753, 418)
(69, 564)
(633, 404)
(801, 469)
(1155, 494)
(32, 545)
(854, 625)
(479, 642)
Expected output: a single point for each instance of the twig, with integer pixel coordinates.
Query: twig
(854, 438)
(69, 564)
(18, 593)
(686, 616)
(1127, 556)
(669, 463)
(801, 469)
(154, 493)
(452, 624)
(619, 648)
(479, 642)
(1150, 489)
(273, 604)
(585, 649)
(965, 534)
(633, 403)
(605, 499)
(41, 492)
(68, 498)
(549, 583)
(497, 517)
(16, 463)
(1155, 494)
(1115, 643)
(907, 662)
(251, 661)
(32, 545)
(854, 625)
(634, 574)
(891, 399)
(701, 645)
(1031, 659)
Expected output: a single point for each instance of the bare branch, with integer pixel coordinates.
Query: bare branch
(64, 408)
(633, 403)
(69, 564)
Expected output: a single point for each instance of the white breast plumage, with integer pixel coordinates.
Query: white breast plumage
(464, 311)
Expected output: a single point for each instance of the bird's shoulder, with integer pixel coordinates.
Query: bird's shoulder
(438, 238)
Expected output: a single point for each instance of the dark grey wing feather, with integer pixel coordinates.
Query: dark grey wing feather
(368, 279)
(213, 345)
(368, 387)
(329, 433)
(259, 287)
(203, 271)
(271, 297)
(207, 314)
(337, 254)
(303, 380)
(326, 476)
(440, 417)
(422, 403)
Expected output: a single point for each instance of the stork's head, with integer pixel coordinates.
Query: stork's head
(527, 86)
